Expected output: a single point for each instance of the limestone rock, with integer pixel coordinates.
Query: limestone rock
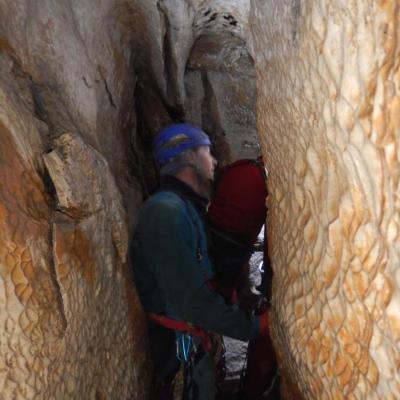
(194, 56)
(71, 323)
(221, 94)
(75, 161)
(329, 124)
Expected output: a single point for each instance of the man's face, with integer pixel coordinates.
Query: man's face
(206, 162)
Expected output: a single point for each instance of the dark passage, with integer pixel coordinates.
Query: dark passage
(219, 98)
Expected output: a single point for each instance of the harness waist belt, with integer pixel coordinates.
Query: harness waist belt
(183, 326)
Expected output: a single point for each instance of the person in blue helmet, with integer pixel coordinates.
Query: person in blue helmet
(173, 272)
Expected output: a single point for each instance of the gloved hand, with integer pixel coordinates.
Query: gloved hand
(263, 320)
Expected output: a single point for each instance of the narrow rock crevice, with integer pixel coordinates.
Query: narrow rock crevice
(39, 104)
(211, 120)
(106, 87)
(170, 65)
(327, 123)
(54, 276)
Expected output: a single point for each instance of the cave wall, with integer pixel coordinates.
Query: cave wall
(82, 91)
(221, 93)
(71, 325)
(328, 77)
(192, 64)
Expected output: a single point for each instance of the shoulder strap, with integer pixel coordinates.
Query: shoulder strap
(196, 222)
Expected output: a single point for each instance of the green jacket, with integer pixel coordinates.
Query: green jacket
(171, 267)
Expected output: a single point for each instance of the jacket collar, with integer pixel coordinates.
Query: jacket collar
(173, 184)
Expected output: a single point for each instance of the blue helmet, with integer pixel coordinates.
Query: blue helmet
(175, 139)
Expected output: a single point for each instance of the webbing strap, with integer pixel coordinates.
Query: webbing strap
(183, 326)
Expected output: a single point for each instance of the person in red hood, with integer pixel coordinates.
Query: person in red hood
(235, 218)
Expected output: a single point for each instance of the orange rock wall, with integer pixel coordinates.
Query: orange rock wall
(328, 76)
(71, 324)
(73, 164)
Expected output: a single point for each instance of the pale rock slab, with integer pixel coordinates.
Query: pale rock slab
(221, 94)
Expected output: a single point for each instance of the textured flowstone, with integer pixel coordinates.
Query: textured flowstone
(67, 330)
(89, 252)
(71, 324)
(328, 77)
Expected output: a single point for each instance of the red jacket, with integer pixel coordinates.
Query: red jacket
(239, 202)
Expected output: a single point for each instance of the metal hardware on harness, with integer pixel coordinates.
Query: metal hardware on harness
(183, 347)
(184, 327)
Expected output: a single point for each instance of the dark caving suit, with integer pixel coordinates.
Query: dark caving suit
(172, 272)
(235, 218)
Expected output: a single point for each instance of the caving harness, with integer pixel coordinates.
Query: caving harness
(187, 331)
